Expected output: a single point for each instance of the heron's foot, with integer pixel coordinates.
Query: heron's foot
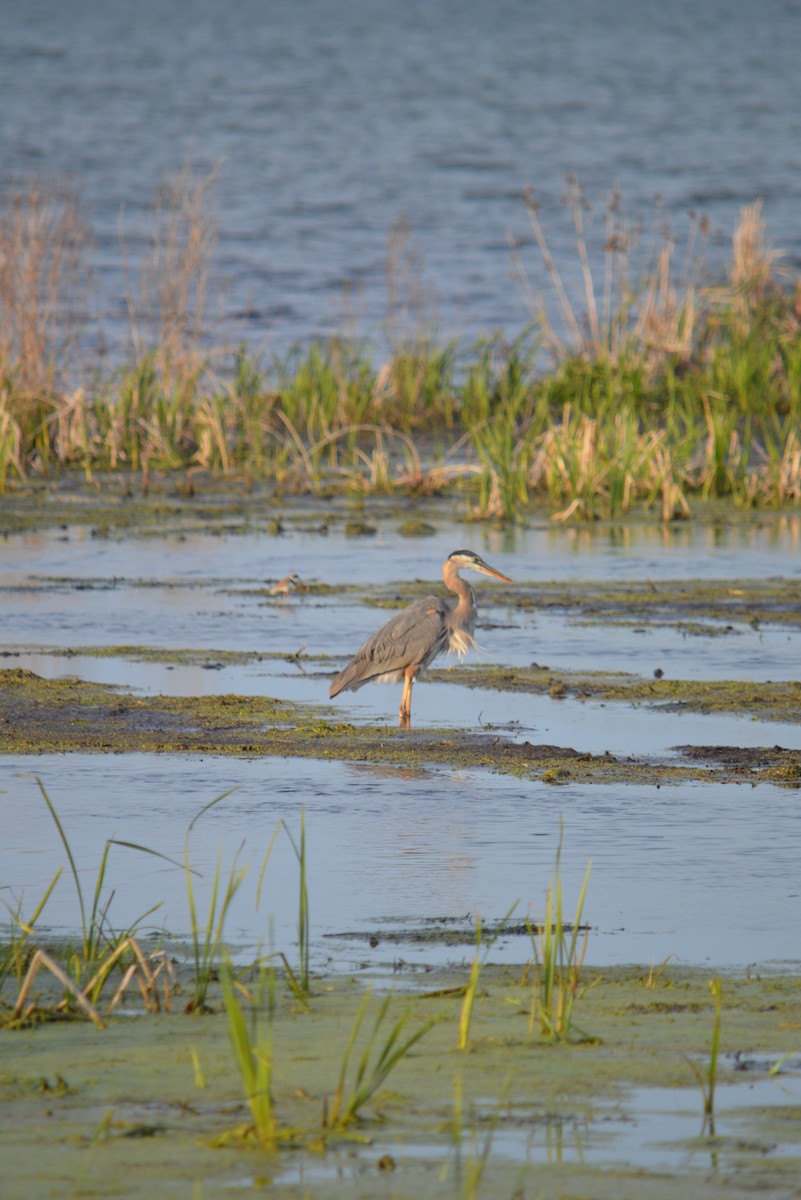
(404, 719)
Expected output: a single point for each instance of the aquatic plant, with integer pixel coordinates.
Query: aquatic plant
(22, 1012)
(558, 960)
(655, 973)
(11, 452)
(206, 938)
(707, 1080)
(304, 921)
(471, 988)
(44, 275)
(503, 417)
(466, 1010)
(375, 1064)
(127, 955)
(102, 951)
(98, 941)
(253, 1051)
(16, 952)
(655, 386)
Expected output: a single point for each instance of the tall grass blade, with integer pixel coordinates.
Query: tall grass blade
(304, 920)
(70, 859)
(558, 960)
(253, 1053)
(370, 1075)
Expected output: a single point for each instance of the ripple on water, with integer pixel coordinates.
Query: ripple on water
(670, 866)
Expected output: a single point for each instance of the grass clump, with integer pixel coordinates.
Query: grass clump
(376, 1062)
(650, 387)
(707, 1080)
(559, 952)
(253, 1052)
(100, 953)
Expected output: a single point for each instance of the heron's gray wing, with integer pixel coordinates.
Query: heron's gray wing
(411, 638)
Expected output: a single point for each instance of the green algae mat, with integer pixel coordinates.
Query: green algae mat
(153, 1105)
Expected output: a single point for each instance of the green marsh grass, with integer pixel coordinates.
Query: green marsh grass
(98, 941)
(17, 951)
(503, 421)
(302, 979)
(471, 988)
(656, 974)
(707, 1079)
(253, 1052)
(649, 387)
(378, 1058)
(207, 937)
(100, 953)
(557, 964)
(466, 1011)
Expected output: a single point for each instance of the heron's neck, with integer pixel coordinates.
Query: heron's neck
(453, 580)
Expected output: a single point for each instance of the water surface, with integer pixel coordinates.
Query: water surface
(326, 122)
(706, 873)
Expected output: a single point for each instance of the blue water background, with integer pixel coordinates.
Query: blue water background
(329, 121)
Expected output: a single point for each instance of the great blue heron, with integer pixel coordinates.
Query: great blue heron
(410, 642)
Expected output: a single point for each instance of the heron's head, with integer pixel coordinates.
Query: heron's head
(463, 559)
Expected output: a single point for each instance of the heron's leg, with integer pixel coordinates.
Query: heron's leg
(405, 712)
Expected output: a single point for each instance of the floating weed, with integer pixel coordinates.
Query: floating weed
(375, 1064)
(558, 960)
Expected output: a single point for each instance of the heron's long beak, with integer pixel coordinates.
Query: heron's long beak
(485, 570)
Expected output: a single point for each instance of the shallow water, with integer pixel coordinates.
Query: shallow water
(203, 591)
(705, 873)
(589, 726)
(655, 1129)
(670, 866)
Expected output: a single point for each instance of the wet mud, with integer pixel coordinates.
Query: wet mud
(779, 701)
(41, 716)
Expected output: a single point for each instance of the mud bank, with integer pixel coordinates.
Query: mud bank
(68, 715)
